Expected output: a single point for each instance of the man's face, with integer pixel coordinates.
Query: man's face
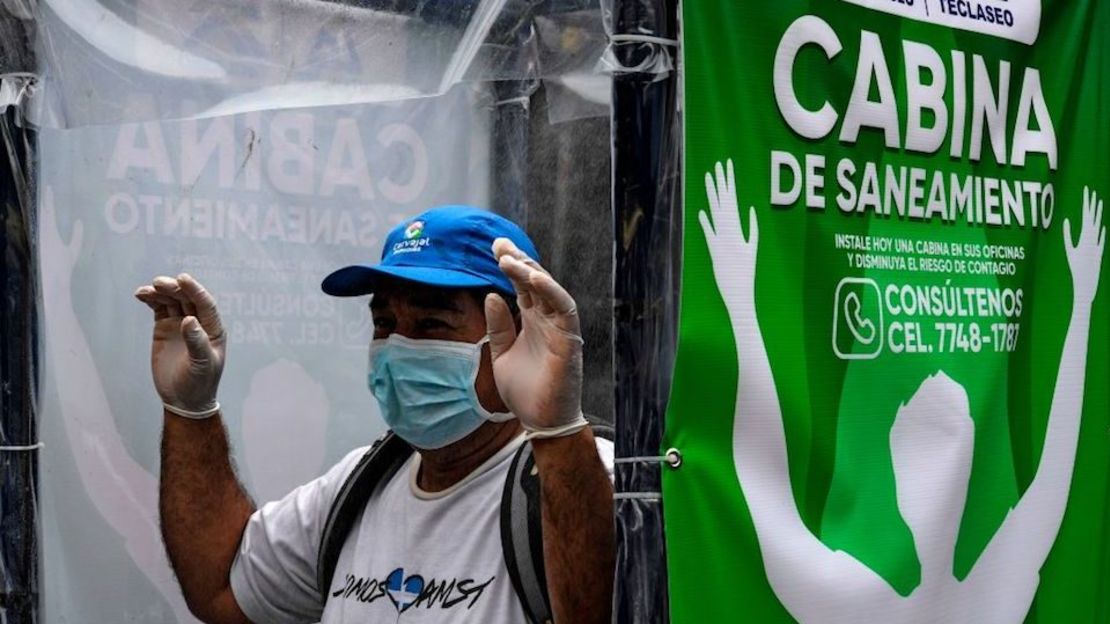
(427, 313)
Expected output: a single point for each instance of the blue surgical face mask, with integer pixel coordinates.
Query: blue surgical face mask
(426, 389)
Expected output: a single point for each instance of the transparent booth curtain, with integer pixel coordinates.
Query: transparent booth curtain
(259, 145)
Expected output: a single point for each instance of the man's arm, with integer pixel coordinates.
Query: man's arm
(579, 539)
(203, 510)
(202, 506)
(539, 375)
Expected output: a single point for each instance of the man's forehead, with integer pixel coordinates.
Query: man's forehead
(420, 296)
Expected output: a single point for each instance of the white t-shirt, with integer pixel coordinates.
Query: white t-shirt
(414, 556)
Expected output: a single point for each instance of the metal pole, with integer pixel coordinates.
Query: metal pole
(19, 552)
(648, 229)
(19, 557)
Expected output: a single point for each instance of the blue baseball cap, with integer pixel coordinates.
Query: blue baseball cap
(447, 246)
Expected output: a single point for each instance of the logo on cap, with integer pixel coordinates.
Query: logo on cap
(414, 240)
(416, 228)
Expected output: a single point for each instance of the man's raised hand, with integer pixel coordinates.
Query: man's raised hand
(539, 371)
(188, 349)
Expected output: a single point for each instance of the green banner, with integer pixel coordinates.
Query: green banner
(891, 384)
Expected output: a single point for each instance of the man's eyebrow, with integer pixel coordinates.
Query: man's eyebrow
(435, 301)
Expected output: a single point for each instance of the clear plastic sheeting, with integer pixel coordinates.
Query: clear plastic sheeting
(642, 38)
(569, 217)
(259, 207)
(16, 36)
(641, 55)
(15, 89)
(570, 45)
(258, 146)
(17, 57)
(210, 59)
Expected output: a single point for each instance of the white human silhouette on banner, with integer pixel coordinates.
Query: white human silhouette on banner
(931, 445)
(282, 396)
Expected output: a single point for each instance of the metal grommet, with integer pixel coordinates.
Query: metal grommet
(674, 457)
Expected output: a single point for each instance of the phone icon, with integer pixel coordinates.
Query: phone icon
(857, 332)
(863, 329)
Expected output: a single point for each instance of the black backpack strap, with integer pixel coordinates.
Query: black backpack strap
(605, 432)
(522, 535)
(377, 466)
(522, 532)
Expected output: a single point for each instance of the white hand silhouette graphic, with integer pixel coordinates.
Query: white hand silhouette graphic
(727, 245)
(1085, 257)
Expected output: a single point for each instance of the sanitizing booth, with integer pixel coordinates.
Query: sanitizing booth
(258, 146)
(840, 264)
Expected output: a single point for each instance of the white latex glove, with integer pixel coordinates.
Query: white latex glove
(538, 372)
(187, 354)
(1085, 257)
(732, 255)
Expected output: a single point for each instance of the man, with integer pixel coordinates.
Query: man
(462, 379)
